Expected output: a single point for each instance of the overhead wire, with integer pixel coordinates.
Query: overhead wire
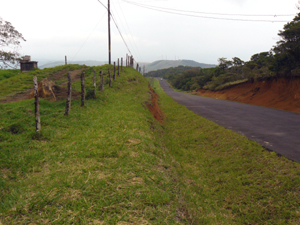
(212, 13)
(130, 33)
(89, 36)
(120, 33)
(120, 23)
(206, 17)
(116, 27)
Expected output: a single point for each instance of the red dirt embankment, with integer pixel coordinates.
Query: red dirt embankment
(154, 107)
(278, 93)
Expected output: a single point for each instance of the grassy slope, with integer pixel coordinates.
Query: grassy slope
(229, 179)
(100, 164)
(110, 163)
(4, 74)
(20, 82)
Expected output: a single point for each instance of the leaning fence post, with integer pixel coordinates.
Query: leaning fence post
(109, 77)
(101, 78)
(68, 104)
(114, 76)
(82, 89)
(37, 106)
(118, 67)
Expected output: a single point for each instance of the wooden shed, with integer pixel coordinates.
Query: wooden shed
(27, 65)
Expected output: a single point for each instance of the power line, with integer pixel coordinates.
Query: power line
(131, 36)
(206, 17)
(102, 4)
(88, 36)
(211, 13)
(120, 34)
(117, 27)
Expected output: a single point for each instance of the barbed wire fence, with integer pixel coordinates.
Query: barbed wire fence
(41, 111)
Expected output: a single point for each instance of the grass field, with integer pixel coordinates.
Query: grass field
(4, 74)
(110, 162)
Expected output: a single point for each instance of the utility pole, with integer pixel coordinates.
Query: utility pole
(109, 40)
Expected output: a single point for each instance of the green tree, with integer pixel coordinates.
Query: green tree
(10, 39)
(287, 51)
(237, 61)
(224, 63)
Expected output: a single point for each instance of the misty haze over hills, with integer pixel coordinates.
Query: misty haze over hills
(160, 64)
(164, 64)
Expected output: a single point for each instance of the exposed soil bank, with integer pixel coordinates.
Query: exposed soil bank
(278, 93)
(154, 107)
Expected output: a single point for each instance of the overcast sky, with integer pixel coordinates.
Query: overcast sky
(78, 28)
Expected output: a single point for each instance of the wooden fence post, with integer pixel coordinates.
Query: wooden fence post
(118, 67)
(137, 67)
(122, 64)
(68, 104)
(109, 77)
(126, 60)
(37, 105)
(130, 61)
(101, 78)
(94, 83)
(114, 76)
(82, 89)
(66, 61)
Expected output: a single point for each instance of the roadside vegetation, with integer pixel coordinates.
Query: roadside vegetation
(281, 61)
(226, 178)
(111, 162)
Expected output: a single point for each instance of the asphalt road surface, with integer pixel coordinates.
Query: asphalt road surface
(274, 129)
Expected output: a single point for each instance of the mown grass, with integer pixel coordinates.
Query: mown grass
(110, 162)
(100, 165)
(228, 179)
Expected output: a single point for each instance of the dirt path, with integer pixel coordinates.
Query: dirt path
(279, 93)
(59, 91)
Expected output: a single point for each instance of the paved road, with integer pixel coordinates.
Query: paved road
(276, 130)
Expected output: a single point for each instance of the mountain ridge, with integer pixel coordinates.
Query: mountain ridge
(164, 64)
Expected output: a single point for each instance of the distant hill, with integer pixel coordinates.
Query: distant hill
(59, 63)
(164, 64)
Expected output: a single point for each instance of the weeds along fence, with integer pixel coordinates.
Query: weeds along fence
(87, 92)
